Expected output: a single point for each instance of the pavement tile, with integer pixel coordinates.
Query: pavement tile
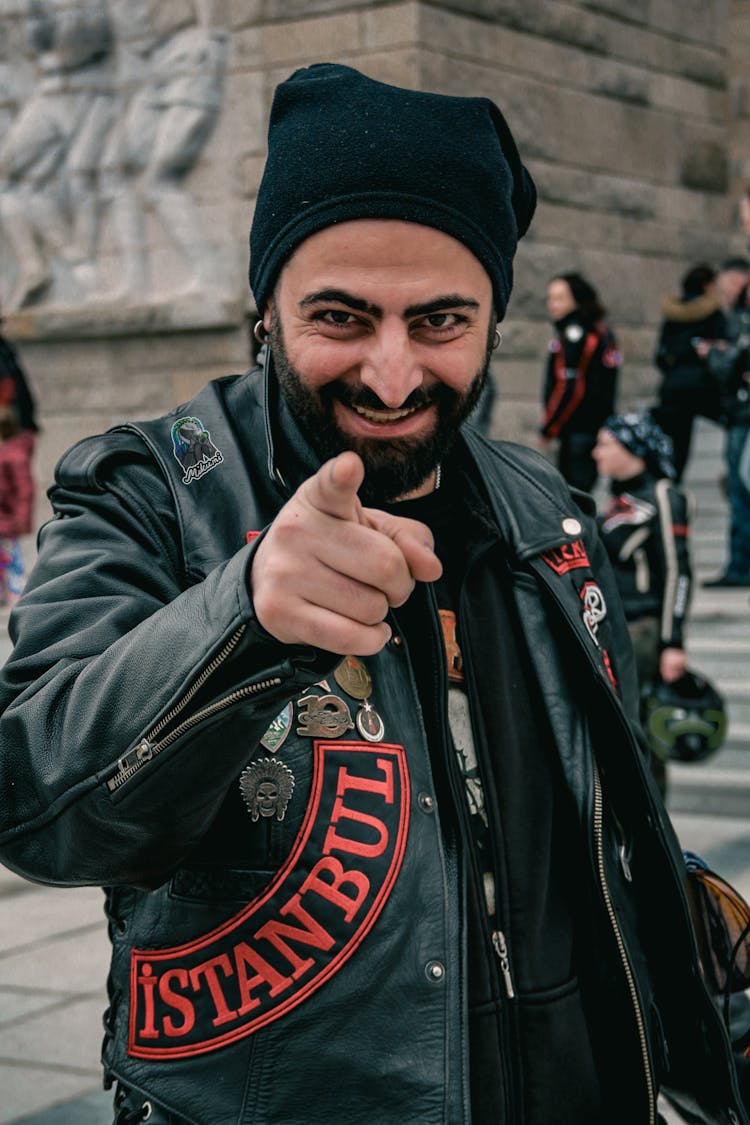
(67, 1039)
(75, 962)
(91, 1109)
(36, 1089)
(20, 1002)
(32, 915)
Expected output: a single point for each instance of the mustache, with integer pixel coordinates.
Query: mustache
(366, 398)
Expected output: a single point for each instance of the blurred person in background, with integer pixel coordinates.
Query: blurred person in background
(687, 388)
(16, 502)
(645, 528)
(728, 360)
(580, 380)
(14, 386)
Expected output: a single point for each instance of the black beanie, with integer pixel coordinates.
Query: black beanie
(342, 146)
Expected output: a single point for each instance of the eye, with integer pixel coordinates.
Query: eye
(336, 316)
(337, 323)
(440, 325)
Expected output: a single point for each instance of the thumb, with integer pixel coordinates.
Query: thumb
(333, 489)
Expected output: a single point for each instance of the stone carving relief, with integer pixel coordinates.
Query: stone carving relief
(96, 160)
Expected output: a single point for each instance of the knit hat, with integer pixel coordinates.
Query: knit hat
(640, 434)
(342, 146)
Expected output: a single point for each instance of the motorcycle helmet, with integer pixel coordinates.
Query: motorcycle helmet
(685, 720)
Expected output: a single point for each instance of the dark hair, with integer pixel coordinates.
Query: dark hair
(735, 265)
(697, 279)
(584, 295)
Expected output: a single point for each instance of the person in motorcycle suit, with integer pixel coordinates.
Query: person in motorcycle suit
(345, 726)
(645, 528)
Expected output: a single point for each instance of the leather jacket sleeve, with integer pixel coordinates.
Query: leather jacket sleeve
(120, 673)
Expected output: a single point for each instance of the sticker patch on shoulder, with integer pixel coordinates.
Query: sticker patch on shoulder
(570, 556)
(300, 931)
(193, 448)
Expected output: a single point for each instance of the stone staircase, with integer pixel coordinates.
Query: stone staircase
(718, 643)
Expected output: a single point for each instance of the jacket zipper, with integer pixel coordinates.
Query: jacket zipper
(500, 946)
(134, 760)
(629, 977)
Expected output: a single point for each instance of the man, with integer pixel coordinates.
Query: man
(728, 360)
(378, 839)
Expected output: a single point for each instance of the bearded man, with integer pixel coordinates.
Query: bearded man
(344, 725)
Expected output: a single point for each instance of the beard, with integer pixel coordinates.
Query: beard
(394, 467)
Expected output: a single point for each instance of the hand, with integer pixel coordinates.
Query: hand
(327, 570)
(702, 347)
(673, 663)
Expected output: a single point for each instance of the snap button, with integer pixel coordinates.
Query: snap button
(426, 802)
(571, 526)
(434, 971)
(395, 640)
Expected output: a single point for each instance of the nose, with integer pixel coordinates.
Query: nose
(389, 366)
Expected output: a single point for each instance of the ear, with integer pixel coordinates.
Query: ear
(268, 314)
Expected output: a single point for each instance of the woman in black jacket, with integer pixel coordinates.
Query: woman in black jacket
(687, 388)
(581, 376)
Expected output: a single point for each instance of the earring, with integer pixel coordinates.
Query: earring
(498, 339)
(260, 332)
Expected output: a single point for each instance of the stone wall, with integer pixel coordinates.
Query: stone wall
(620, 107)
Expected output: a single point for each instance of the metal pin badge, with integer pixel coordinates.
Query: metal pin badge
(266, 787)
(278, 730)
(369, 723)
(323, 716)
(352, 676)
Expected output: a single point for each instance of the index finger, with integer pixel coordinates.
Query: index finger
(333, 489)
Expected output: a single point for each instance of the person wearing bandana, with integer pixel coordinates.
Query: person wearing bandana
(645, 528)
(346, 724)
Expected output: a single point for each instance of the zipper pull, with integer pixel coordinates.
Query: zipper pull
(130, 763)
(501, 949)
(625, 863)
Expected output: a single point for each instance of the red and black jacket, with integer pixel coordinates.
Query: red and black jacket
(581, 377)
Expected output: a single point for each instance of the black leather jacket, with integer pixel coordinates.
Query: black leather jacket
(302, 959)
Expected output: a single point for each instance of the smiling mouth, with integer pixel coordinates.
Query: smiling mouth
(384, 416)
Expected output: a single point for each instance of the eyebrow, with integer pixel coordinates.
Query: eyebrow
(436, 304)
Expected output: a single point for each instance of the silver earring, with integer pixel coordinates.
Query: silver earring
(498, 339)
(260, 332)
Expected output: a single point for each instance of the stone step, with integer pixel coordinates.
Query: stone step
(709, 789)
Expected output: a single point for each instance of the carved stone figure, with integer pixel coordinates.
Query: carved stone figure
(49, 156)
(128, 93)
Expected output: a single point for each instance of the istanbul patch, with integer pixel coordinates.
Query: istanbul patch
(300, 931)
(193, 448)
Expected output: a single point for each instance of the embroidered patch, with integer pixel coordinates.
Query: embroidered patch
(193, 448)
(300, 931)
(594, 608)
(569, 556)
(251, 536)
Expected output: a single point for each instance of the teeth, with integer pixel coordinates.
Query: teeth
(383, 415)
